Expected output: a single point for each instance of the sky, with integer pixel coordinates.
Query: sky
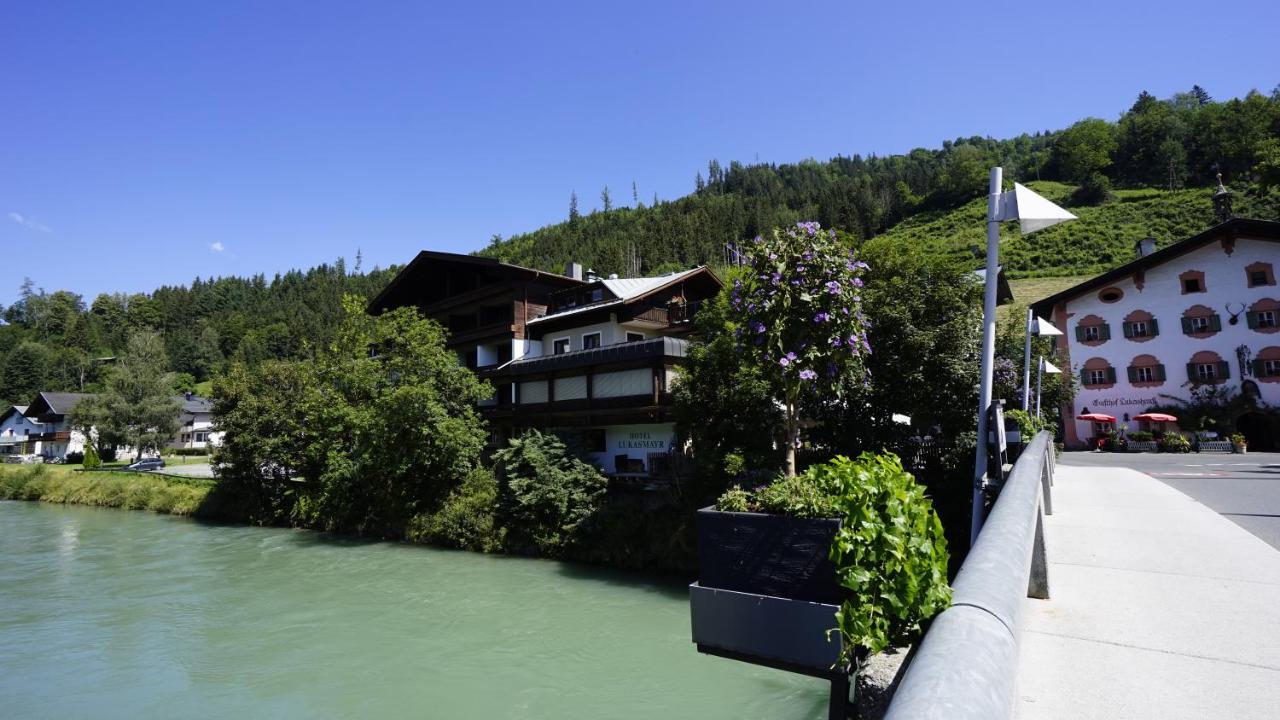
(147, 143)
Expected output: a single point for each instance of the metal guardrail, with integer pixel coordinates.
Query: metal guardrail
(966, 665)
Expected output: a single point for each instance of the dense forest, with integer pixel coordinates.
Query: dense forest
(1181, 142)
(1145, 173)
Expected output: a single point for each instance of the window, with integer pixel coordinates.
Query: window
(559, 346)
(590, 340)
(1258, 277)
(1260, 273)
(202, 437)
(1270, 368)
(1199, 324)
(1138, 328)
(1145, 374)
(1092, 333)
(635, 337)
(1266, 318)
(1097, 377)
(1191, 285)
(1111, 295)
(1206, 372)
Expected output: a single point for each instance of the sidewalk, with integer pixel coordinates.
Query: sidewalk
(1160, 608)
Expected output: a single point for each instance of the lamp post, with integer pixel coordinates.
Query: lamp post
(1039, 327)
(1045, 367)
(1033, 213)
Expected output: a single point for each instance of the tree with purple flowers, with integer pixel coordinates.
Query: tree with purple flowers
(799, 318)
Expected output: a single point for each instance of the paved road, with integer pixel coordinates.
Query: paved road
(1242, 488)
(200, 470)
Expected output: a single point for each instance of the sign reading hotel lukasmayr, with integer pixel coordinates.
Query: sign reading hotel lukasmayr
(638, 440)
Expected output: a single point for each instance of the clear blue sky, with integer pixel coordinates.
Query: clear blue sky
(144, 143)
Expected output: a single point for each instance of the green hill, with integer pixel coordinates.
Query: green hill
(1102, 238)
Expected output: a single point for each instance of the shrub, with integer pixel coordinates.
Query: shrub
(1141, 436)
(1238, 439)
(466, 520)
(91, 459)
(1175, 443)
(1095, 190)
(890, 551)
(74, 458)
(544, 493)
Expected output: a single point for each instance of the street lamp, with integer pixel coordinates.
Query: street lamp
(1045, 367)
(1032, 213)
(1042, 328)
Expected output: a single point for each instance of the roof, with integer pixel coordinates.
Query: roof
(619, 352)
(19, 409)
(628, 289)
(54, 403)
(426, 258)
(1236, 227)
(195, 404)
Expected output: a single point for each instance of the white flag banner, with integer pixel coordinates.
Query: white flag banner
(1049, 367)
(1030, 210)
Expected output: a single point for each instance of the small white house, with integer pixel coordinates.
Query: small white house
(196, 424)
(52, 410)
(17, 431)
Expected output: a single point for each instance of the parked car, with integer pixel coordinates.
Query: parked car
(146, 464)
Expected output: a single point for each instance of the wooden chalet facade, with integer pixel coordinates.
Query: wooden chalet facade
(595, 356)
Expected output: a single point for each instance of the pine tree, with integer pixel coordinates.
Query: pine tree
(573, 206)
(635, 195)
(606, 202)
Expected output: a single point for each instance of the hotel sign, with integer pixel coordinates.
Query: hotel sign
(639, 441)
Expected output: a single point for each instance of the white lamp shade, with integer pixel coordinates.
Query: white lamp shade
(1049, 367)
(1045, 328)
(1030, 210)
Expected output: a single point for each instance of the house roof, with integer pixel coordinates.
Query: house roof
(13, 409)
(626, 290)
(1236, 227)
(195, 404)
(54, 403)
(415, 273)
(608, 354)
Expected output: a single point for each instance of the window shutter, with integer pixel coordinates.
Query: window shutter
(1079, 333)
(1160, 373)
(1252, 318)
(1104, 332)
(1224, 370)
(1084, 377)
(1191, 372)
(1133, 374)
(1186, 326)
(1215, 323)
(1256, 367)
(1111, 375)
(1153, 329)
(1128, 329)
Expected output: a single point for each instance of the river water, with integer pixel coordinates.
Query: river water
(119, 614)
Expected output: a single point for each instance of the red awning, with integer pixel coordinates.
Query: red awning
(1096, 417)
(1155, 417)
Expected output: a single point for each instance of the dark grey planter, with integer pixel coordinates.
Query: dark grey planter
(772, 555)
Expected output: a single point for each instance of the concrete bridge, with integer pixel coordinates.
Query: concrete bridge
(1162, 577)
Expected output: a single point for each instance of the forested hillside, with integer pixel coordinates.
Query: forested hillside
(1148, 172)
(1177, 145)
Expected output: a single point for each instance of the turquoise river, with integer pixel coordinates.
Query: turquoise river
(119, 614)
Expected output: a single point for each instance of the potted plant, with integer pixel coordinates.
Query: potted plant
(859, 534)
(1239, 444)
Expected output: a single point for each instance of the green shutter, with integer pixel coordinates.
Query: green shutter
(1111, 375)
(1084, 377)
(1160, 373)
(1186, 326)
(1191, 372)
(1224, 370)
(1104, 332)
(1252, 318)
(1079, 333)
(1215, 323)
(1256, 367)
(1133, 374)
(1128, 329)
(1153, 329)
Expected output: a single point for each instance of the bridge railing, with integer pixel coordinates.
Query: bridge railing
(965, 666)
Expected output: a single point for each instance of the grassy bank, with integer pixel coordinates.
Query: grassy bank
(131, 491)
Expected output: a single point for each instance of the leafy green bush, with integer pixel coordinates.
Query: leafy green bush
(1028, 424)
(1140, 436)
(890, 551)
(544, 493)
(466, 520)
(1175, 443)
(91, 459)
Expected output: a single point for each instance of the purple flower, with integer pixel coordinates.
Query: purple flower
(857, 282)
(775, 277)
(833, 287)
(787, 360)
(758, 327)
(821, 317)
(836, 342)
(808, 375)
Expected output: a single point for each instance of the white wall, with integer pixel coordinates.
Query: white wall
(1161, 295)
(634, 441)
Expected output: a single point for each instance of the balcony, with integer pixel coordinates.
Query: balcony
(58, 436)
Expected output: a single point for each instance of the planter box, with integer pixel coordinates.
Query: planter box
(772, 555)
(786, 634)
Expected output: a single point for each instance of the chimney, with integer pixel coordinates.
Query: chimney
(573, 270)
(591, 275)
(1145, 246)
